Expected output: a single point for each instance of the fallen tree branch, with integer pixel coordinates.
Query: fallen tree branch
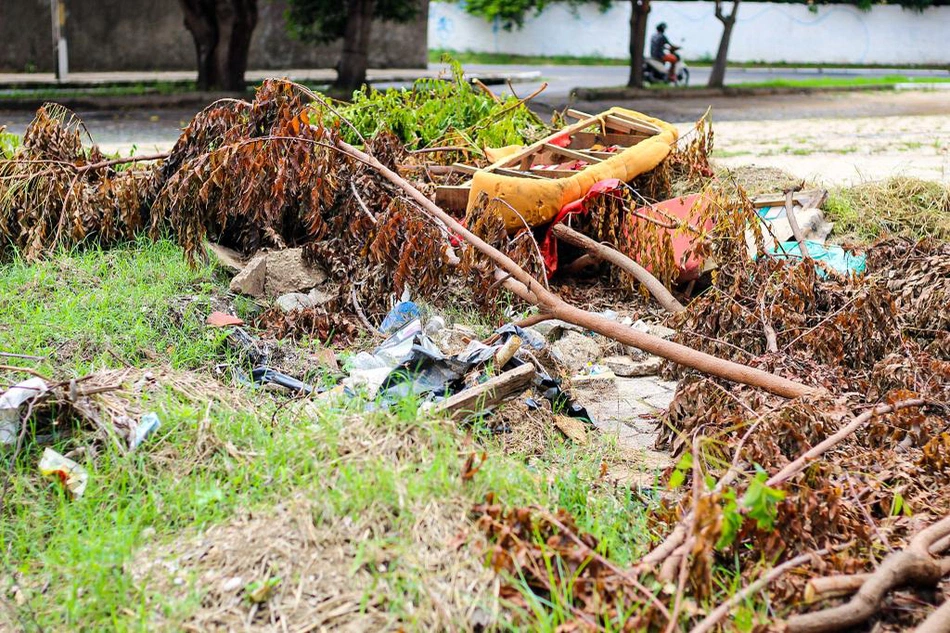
(799, 464)
(824, 587)
(938, 621)
(555, 305)
(720, 612)
(618, 259)
(672, 546)
(913, 565)
(25, 370)
(122, 161)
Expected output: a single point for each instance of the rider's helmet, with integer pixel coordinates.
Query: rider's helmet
(661, 27)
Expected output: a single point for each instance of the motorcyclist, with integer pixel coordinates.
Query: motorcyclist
(662, 50)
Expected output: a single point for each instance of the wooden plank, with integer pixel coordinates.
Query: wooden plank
(629, 125)
(528, 152)
(523, 157)
(487, 394)
(584, 140)
(778, 199)
(555, 173)
(452, 197)
(517, 173)
(641, 125)
(577, 114)
(465, 169)
(572, 154)
(600, 155)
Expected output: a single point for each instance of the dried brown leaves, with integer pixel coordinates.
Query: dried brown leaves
(51, 196)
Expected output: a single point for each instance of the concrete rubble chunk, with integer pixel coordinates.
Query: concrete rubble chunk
(575, 351)
(554, 329)
(287, 272)
(454, 339)
(276, 273)
(293, 301)
(654, 329)
(250, 281)
(627, 367)
(319, 297)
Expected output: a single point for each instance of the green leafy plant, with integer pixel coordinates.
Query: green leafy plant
(441, 112)
(759, 504)
(8, 144)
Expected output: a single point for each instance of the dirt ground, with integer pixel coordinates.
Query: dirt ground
(830, 139)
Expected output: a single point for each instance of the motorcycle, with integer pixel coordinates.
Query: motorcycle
(655, 72)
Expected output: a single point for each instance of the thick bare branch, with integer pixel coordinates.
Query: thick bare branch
(552, 303)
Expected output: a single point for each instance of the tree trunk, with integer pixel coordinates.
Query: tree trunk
(640, 9)
(222, 31)
(717, 78)
(351, 74)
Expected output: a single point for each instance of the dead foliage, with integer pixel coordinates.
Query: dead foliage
(541, 550)
(286, 566)
(331, 328)
(106, 407)
(868, 339)
(877, 338)
(55, 192)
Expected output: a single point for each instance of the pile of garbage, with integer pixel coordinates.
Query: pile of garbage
(796, 357)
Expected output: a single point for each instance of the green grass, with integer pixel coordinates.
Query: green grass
(904, 206)
(115, 90)
(841, 82)
(142, 305)
(436, 55)
(470, 57)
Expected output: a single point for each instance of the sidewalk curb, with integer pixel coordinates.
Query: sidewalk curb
(127, 102)
(629, 94)
(199, 99)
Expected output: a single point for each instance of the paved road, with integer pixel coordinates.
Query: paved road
(148, 130)
(562, 79)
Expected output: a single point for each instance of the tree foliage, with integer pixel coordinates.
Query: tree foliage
(511, 13)
(323, 21)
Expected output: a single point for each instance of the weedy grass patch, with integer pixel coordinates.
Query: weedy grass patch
(375, 505)
(902, 206)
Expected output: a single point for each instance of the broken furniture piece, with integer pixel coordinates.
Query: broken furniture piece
(534, 183)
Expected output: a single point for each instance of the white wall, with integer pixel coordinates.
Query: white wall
(764, 32)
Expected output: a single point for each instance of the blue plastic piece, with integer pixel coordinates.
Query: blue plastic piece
(832, 256)
(404, 312)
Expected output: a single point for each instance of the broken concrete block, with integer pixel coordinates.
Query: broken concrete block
(287, 272)
(318, 297)
(575, 351)
(293, 301)
(453, 340)
(250, 281)
(627, 367)
(654, 328)
(554, 329)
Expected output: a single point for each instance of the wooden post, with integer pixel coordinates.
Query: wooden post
(61, 59)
